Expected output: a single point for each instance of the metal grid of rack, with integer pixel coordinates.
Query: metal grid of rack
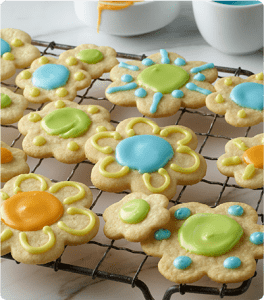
(135, 281)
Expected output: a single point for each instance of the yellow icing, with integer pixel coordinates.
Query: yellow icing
(59, 104)
(23, 177)
(241, 113)
(78, 76)
(6, 235)
(71, 61)
(240, 145)
(92, 109)
(34, 117)
(43, 60)
(34, 92)
(146, 178)
(17, 43)
(219, 99)
(8, 56)
(129, 128)
(61, 92)
(107, 161)
(73, 146)
(39, 141)
(4, 195)
(229, 161)
(100, 129)
(168, 130)
(103, 135)
(259, 76)
(25, 74)
(228, 81)
(249, 172)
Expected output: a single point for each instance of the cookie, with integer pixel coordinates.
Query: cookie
(244, 161)
(240, 100)
(16, 51)
(93, 59)
(143, 157)
(221, 242)
(12, 106)
(162, 83)
(51, 79)
(13, 162)
(61, 129)
(38, 218)
(136, 216)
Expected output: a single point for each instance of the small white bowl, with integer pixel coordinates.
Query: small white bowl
(139, 18)
(231, 29)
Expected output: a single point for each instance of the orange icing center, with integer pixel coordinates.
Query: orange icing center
(6, 156)
(254, 155)
(31, 211)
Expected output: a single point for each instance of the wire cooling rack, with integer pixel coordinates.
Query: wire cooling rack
(220, 290)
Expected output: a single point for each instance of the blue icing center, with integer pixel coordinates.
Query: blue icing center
(50, 76)
(5, 47)
(145, 153)
(249, 95)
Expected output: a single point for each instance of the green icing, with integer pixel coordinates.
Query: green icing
(5, 100)
(134, 211)
(209, 234)
(90, 56)
(163, 78)
(66, 122)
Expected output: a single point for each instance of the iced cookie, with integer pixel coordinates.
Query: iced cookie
(143, 157)
(16, 51)
(93, 59)
(13, 162)
(61, 129)
(162, 83)
(51, 79)
(136, 216)
(240, 100)
(221, 242)
(38, 218)
(244, 161)
(12, 106)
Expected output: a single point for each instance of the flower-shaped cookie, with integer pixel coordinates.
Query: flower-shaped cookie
(221, 242)
(136, 216)
(244, 161)
(12, 106)
(51, 79)
(142, 157)
(61, 129)
(95, 60)
(38, 218)
(240, 100)
(13, 162)
(16, 51)
(160, 84)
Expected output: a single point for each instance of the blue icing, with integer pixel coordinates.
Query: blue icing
(165, 57)
(127, 78)
(145, 153)
(249, 95)
(129, 67)
(232, 262)
(193, 87)
(50, 76)
(256, 238)
(155, 102)
(202, 68)
(141, 93)
(5, 47)
(162, 234)
(199, 77)
(236, 210)
(126, 87)
(182, 262)
(177, 94)
(182, 213)
(147, 62)
(179, 62)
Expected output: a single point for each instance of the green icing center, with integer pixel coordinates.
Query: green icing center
(209, 234)
(163, 78)
(5, 100)
(90, 56)
(66, 122)
(134, 211)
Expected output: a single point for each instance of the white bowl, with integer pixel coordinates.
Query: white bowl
(139, 18)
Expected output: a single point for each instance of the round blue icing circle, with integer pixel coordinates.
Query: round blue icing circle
(236, 210)
(145, 153)
(177, 94)
(248, 95)
(179, 62)
(256, 238)
(232, 262)
(182, 213)
(5, 47)
(127, 78)
(182, 262)
(141, 93)
(50, 76)
(147, 62)
(162, 234)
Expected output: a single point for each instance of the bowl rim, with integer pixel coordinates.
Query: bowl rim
(234, 6)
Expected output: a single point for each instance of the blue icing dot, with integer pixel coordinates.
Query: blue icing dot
(232, 262)
(50, 76)
(141, 93)
(177, 94)
(127, 78)
(147, 62)
(182, 213)
(236, 210)
(162, 234)
(249, 95)
(179, 62)
(145, 153)
(5, 47)
(256, 238)
(199, 77)
(182, 262)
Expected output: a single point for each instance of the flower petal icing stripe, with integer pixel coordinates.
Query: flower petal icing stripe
(173, 129)
(156, 100)
(129, 67)
(6, 235)
(129, 128)
(229, 161)
(72, 199)
(107, 161)
(249, 172)
(193, 87)
(23, 177)
(165, 57)
(126, 87)
(239, 144)
(202, 68)
(102, 135)
(146, 178)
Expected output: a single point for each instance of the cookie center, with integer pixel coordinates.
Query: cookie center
(50, 76)
(90, 56)
(5, 100)
(134, 211)
(6, 156)
(209, 234)
(145, 153)
(31, 211)
(254, 155)
(163, 78)
(5, 47)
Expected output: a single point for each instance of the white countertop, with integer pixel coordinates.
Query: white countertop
(56, 21)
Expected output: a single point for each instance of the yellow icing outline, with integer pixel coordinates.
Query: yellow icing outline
(6, 235)
(107, 161)
(23, 177)
(249, 172)
(240, 144)
(146, 178)
(81, 232)
(4, 195)
(72, 199)
(172, 129)
(230, 161)
(103, 135)
(100, 129)
(129, 128)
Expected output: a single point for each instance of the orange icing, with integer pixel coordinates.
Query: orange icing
(6, 156)
(254, 155)
(31, 211)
